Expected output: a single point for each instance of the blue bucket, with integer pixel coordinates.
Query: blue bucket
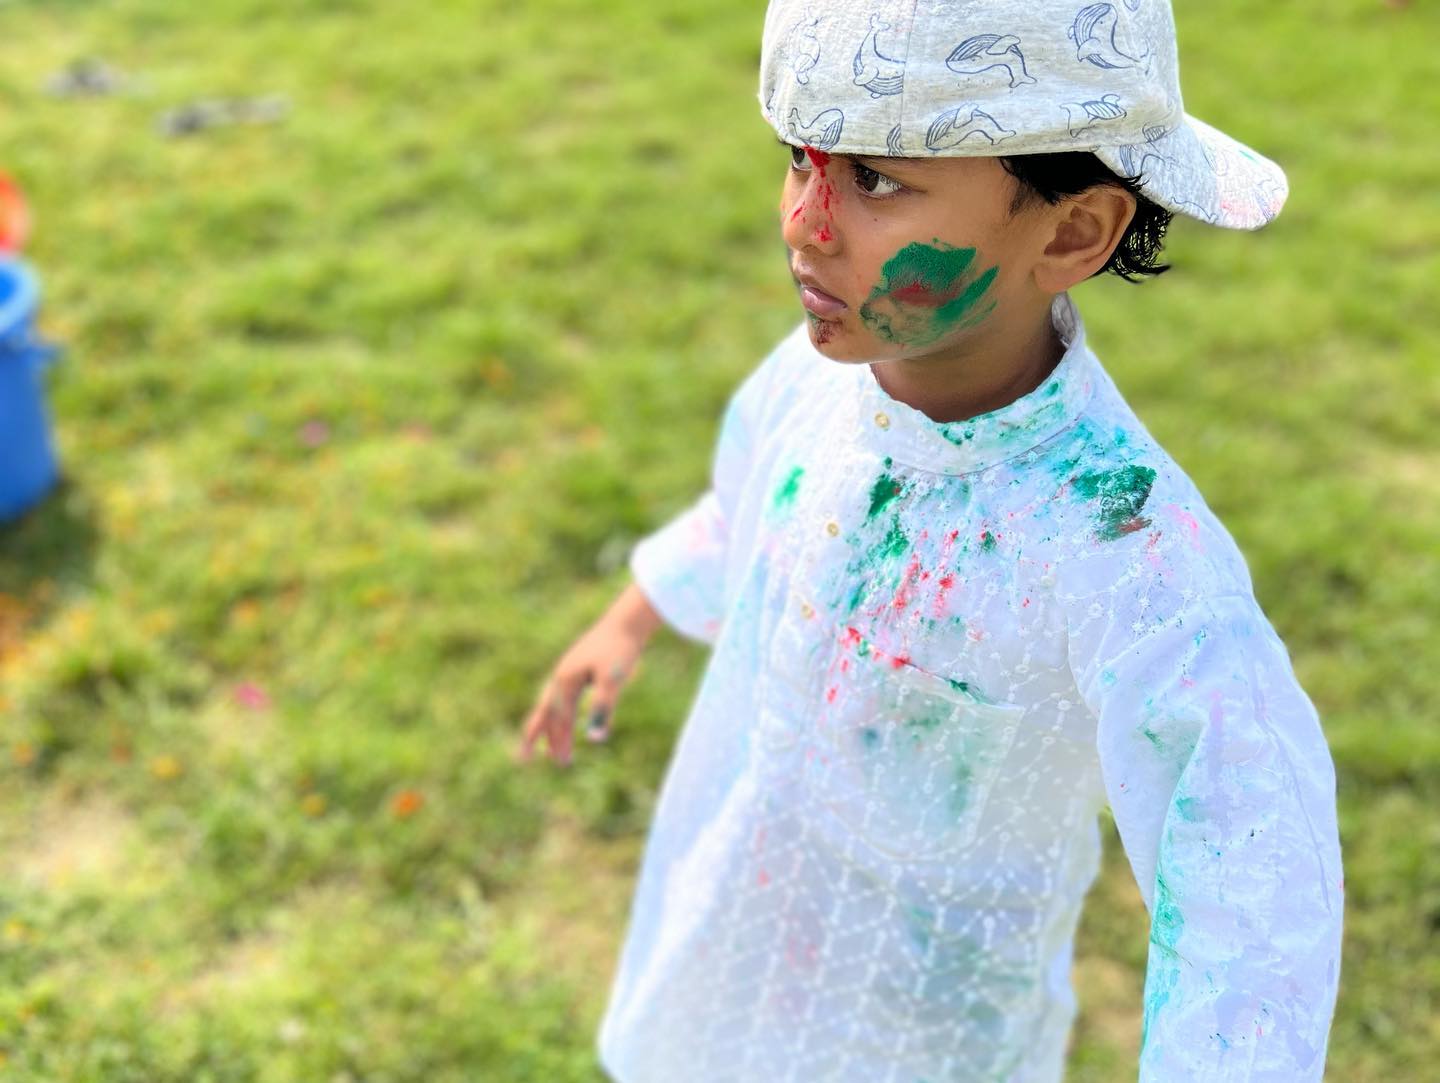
(27, 457)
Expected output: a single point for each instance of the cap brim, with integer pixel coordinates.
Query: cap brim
(1200, 171)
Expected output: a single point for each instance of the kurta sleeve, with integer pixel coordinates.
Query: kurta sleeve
(1223, 792)
(681, 566)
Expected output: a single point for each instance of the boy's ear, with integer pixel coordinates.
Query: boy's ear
(1088, 228)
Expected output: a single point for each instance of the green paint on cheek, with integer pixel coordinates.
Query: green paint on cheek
(785, 494)
(927, 291)
(1122, 493)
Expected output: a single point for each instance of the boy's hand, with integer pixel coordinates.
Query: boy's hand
(605, 657)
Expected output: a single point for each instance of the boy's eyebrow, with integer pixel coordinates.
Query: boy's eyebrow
(876, 160)
(891, 163)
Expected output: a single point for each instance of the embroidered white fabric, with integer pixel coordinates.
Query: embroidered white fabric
(938, 650)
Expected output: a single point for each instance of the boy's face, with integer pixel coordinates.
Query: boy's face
(907, 257)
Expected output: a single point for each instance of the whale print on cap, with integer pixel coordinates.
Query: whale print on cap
(877, 73)
(1093, 33)
(803, 47)
(985, 52)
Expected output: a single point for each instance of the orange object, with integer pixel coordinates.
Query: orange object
(14, 216)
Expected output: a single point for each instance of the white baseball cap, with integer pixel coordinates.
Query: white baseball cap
(922, 78)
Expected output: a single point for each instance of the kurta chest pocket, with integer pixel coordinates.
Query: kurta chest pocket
(905, 760)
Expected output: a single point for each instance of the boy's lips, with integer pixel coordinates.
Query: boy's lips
(816, 299)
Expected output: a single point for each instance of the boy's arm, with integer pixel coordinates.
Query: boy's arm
(681, 565)
(1223, 791)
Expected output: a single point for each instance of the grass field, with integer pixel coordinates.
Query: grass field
(361, 410)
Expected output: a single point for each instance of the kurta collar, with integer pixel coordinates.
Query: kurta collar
(895, 429)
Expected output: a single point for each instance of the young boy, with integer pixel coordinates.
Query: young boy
(960, 599)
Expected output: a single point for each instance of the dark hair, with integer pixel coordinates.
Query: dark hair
(1052, 177)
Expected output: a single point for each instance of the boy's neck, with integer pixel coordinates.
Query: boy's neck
(992, 371)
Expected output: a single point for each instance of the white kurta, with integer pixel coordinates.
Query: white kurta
(939, 650)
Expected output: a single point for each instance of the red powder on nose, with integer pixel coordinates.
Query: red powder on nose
(798, 210)
(824, 234)
(818, 158)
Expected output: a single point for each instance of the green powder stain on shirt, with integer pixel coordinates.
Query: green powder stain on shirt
(894, 544)
(987, 542)
(961, 792)
(885, 490)
(956, 436)
(1122, 493)
(1190, 809)
(785, 494)
(1163, 973)
(871, 737)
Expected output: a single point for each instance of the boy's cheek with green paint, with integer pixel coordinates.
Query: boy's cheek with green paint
(927, 291)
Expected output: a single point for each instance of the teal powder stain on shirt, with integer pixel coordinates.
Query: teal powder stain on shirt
(955, 435)
(1164, 972)
(1122, 493)
(961, 791)
(785, 494)
(1191, 809)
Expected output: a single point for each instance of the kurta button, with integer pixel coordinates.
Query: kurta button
(832, 528)
(881, 419)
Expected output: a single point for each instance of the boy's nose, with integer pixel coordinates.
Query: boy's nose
(810, 220)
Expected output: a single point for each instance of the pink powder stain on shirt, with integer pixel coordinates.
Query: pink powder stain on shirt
(946, 581)
(1152, 553)
(800, 953)
(1188, 521)
(905, 593)
(762, 878)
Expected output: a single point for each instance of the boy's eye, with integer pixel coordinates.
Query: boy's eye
(869, 180)
(866, 179)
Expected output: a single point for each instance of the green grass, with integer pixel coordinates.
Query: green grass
(362, 410)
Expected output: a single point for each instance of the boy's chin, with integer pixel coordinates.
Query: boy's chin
(835, 340)
(827, 336)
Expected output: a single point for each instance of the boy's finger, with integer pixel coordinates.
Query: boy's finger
(562, 719)
(534, 723)
(597, 725)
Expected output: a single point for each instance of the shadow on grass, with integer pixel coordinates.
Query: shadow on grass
(49, 550)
